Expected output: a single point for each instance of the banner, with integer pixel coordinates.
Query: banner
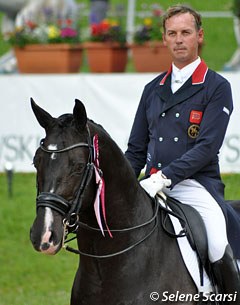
(110, 100)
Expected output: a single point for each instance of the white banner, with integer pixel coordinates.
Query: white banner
(110, 99)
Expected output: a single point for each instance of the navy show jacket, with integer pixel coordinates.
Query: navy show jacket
(182, 133)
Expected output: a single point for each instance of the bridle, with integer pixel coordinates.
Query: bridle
(70, 210)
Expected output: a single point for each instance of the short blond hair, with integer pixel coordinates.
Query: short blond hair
(182, 9)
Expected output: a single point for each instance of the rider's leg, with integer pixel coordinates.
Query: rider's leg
(225, 269)
(227, 276)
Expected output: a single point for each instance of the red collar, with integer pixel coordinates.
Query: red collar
(198, 76)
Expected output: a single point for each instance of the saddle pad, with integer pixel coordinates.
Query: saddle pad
(189, 256)
(238, 262)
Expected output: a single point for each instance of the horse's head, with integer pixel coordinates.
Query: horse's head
(64, 164)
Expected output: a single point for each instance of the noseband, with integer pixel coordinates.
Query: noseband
(69, 210)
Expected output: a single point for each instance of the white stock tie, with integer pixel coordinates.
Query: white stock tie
(178, 77)
(178, 81)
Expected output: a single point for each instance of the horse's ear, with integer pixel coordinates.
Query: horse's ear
(43, 117)
(80, 115)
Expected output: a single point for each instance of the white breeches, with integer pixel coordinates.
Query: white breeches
(193, 193)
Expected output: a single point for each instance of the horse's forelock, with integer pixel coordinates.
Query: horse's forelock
(65, 120)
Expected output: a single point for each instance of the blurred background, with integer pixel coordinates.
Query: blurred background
(220, 40)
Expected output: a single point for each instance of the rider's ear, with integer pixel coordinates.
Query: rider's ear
(43, 117)
(80, 115)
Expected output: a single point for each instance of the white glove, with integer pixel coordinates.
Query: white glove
(155, 183)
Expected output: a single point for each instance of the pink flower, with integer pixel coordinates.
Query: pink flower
(68, 32)
(157, 12)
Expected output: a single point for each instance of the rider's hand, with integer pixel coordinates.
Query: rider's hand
(155, 183)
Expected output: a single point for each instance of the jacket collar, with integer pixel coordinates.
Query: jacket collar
(198, 76)
(193, 85)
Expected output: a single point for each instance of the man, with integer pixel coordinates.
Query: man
(178, 130)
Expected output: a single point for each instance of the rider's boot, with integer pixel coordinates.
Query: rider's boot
(227, 276)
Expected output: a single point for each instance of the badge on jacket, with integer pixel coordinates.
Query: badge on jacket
(195, 117)
(193, 131)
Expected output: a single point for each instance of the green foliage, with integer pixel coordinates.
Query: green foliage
(28, 277)
(218, 46)
(236, 7)
(232, 186)
(4, 45)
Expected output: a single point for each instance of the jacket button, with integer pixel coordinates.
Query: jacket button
(177, 115)
(163, 114)
(160, 139)
(175, 139)
(159, 165)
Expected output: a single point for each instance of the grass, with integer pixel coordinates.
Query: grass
(232, 183)
(28, 277)
(218, 31)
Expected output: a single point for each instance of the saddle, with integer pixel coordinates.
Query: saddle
(193, 227)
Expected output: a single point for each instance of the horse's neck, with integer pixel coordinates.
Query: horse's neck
(126, 201)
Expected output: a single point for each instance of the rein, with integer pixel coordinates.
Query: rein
(158, 200)
(85, 226)
(70, 210)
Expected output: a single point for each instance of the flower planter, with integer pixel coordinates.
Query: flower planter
(151, 57)
(49, 58)
(106, 57)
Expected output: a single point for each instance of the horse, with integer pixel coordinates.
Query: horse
(85, 185)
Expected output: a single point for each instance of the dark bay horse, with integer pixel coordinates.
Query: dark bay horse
(139, 258)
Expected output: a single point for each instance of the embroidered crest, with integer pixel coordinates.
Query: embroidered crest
(195, 117)
(193, 131)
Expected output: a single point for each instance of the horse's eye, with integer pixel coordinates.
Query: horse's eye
(78, 168)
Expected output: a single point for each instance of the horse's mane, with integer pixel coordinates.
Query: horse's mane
(99, 126)
(67, 120)
(114, 145)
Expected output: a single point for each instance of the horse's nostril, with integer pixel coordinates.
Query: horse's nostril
(45, 246)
